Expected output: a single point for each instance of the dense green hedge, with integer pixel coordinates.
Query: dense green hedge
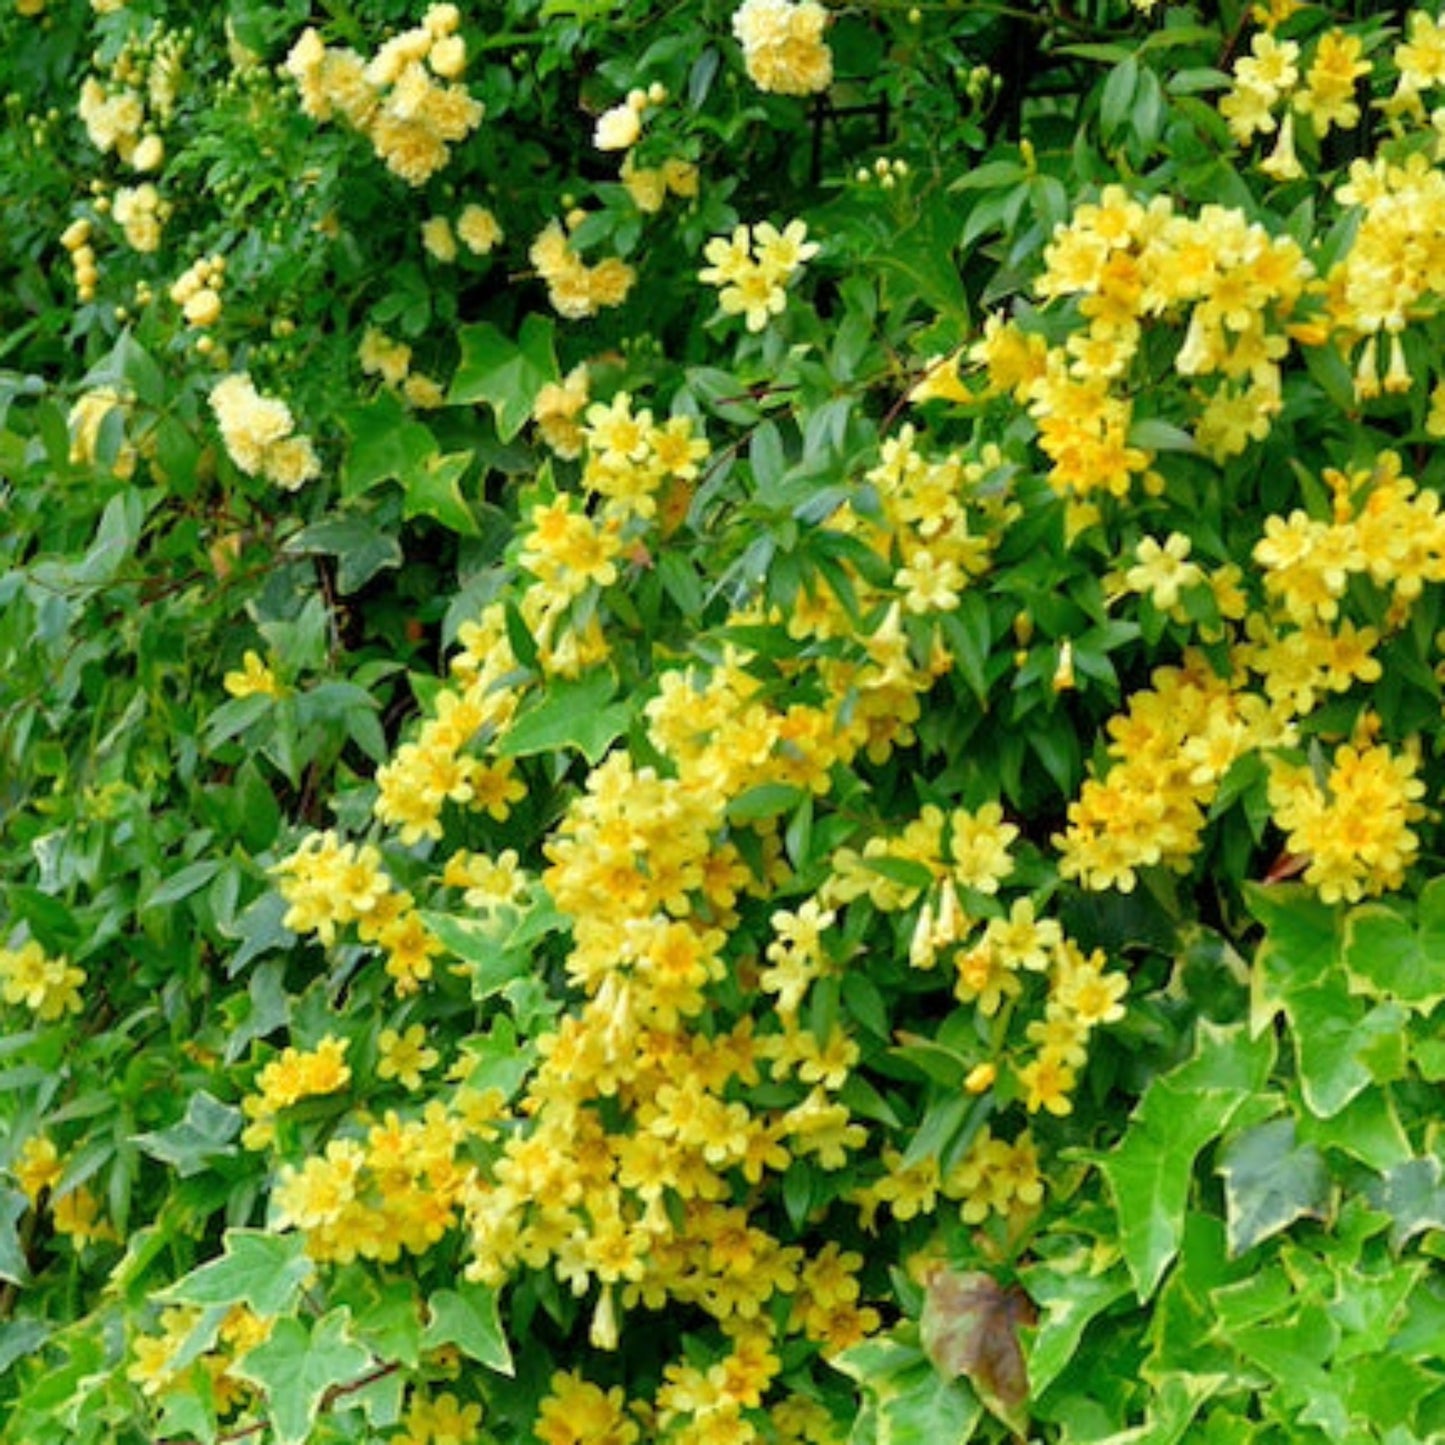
(720, 724)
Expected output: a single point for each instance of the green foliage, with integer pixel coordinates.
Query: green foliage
(714, 745)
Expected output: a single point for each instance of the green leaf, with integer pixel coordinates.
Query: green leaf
(1154, 434)
(299, 1368)
(920, 261)
(183, 883)
(1069, 1294)
(1150, 1172)
(360, 547)
(1298, 973)
(1270, 1180)
(492, 965)
(434, 490)
(504, 373)
(265, 1271)
(576, 713)
(1386, 957)
(13, 1266)
(387, 444)
(1367, 1128)
(924, 1409)
(1118, 96)
(387, 1321)
(766, 800)
(192, 1143)
(1413, 1195)
(468, 1318)
(913, 1404)
(991, 176)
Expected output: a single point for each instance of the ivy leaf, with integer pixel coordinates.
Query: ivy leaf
(910, 1403)
(299, 1368)
(505, 374)
(1150, 1172)
(477, 942)
(1270, 1180)
(361, 549)
(265, 1271)
(434, 490)
(467, 1317)
(387, 444)
(1413, 1195)
(191, 1143)
(570, 714)
(1387, 957)
(13, 1266)
(1298, 973)
(970, 1327)
(1070, 1295)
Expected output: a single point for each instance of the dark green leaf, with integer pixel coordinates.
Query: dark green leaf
(1271, 1180)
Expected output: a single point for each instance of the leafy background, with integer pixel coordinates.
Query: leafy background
(1223, 1224)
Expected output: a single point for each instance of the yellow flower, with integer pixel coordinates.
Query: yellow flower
(48, 987)
(1162, 572)
(783, 45)
(1046, 1083)
(254, 677)
(405, 1057)
(38, 1167)
(477, 229)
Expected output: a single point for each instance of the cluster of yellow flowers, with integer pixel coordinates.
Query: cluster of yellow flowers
(76, 240)
(158, 1359)
(398, 1188)
(141, 213)
(293, 1076)
(476, 228)
(38, 1168)
(258, 433)
(925, 519)
(783, 45)
(1353, 830)
(576, 289)
(406, 100)
(329, 885)
(126, 112)
(438, 1420)
(48, 987)
(618, 1166)
(556, 410)
(1231, 282)
(753, 267)
(197, 291)
(650, 186)
(1174, 744)
(384, 356)
(1170, 749)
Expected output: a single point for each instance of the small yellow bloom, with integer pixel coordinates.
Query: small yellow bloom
(253, 677)
(405, 1057)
